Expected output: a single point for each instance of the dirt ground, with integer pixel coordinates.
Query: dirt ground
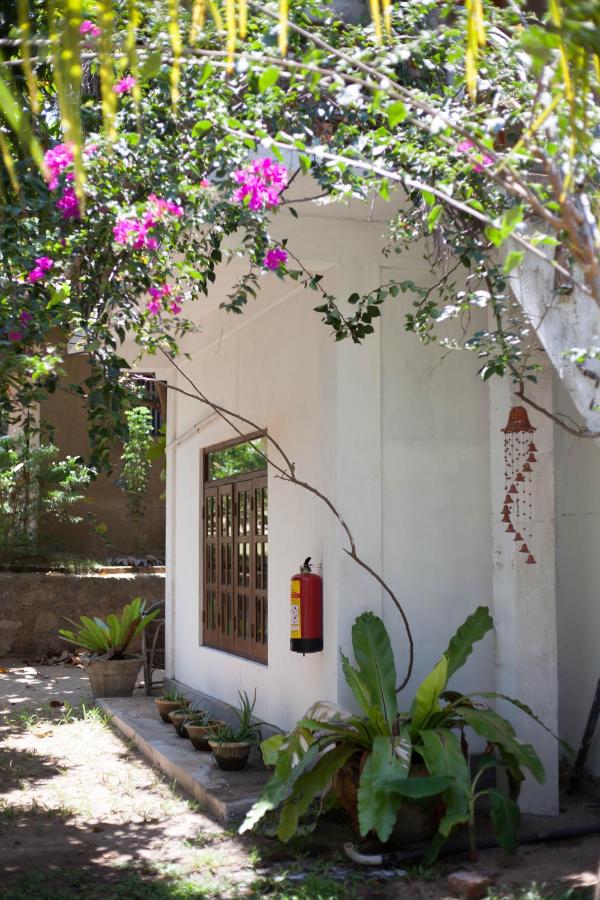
(83, 815)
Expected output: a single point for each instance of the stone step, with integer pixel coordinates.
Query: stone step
(226, 796)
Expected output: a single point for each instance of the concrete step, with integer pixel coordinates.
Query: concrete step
(227, 796)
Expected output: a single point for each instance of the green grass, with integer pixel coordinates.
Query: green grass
(71, 884)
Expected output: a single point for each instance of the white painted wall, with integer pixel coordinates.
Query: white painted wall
(578, 578)
(435, 493)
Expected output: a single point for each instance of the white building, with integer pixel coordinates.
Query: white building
(410, 449)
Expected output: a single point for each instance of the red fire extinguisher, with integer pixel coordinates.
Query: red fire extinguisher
(306, 611)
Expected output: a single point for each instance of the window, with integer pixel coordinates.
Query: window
(155, 398)
(235, 516)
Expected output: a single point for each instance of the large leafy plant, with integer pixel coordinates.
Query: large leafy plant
(389, 742)
(109, 639)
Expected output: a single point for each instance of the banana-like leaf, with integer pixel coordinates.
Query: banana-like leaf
(443, 757)
(493, 695)
(356, 683)
(377, 806)
(461, 645)
(505, 817)
(294, 755)
(311, 784)
(375, 658)
(498, 730)
(427, 697)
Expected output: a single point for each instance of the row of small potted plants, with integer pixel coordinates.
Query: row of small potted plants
(230, 746)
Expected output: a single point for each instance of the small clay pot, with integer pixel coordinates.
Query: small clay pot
(231, 756)
(168, 706)
(177, 719)
(200, 735)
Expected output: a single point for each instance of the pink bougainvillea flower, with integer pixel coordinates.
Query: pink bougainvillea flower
(43, 265)
(466, 146)
(56, 160)
(261, 183)
(15, 335)
(153, 307)
(205, 183)
(69, 204)
(162, 291)
(160, 207)
(124, 85)
(90, 149)
(124, 229)
(25, 317)
(175, 306)
(275, 258)
(88, 27)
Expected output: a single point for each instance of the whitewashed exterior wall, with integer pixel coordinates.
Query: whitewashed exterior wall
(401, 442)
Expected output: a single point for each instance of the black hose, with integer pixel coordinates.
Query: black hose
(410, 857)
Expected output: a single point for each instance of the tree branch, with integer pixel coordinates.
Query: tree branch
(288, 474)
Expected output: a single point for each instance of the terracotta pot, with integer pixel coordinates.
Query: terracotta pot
(114, 677)
(415, 822)
(231, 756)
(200, 735)
(177, 719)
(168, 706)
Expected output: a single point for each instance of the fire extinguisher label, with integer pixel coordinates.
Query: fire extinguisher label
(295, 623)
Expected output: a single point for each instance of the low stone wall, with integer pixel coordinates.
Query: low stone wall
(33, 606)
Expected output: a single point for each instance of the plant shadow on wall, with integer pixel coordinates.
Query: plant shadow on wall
(386, 763)
(403, 774)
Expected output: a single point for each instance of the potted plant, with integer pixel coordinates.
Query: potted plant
(383, 762)
(201, 726)
(169, 702)
(178, 718)
(112, 671)
(231, 746)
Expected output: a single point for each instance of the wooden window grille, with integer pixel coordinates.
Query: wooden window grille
(235, 549)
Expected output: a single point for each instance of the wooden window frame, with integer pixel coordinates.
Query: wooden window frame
(234, 547)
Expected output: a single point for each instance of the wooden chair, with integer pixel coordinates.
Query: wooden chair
(153, 646)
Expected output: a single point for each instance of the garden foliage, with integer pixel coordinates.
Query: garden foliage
(36, 482)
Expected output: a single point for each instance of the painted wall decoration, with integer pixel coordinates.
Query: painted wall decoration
(519, 457)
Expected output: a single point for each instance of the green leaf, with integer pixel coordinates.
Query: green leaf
(151, 66)
(201, 126)
(378, 806)
(505, 817)
(396, 113)
(513, 259)
(310, 785)
(494, 695)
(268, 78)
(356, 684)
(373, 653)
(421, 788)
(427, 696)
(499, 731)
(461, 645)
(384, 189)
(443, 757)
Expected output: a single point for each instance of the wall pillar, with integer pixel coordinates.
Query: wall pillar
(358, 466)
(524, 596)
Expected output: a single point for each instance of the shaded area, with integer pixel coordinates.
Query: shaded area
(82, 814)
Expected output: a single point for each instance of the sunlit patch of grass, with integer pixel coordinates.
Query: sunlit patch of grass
(536, 891)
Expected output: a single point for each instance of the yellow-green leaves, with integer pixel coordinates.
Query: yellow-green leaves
(475, 40)
(109, 98)
(24, 34)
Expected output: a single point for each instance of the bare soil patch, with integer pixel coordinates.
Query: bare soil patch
(82, 814)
